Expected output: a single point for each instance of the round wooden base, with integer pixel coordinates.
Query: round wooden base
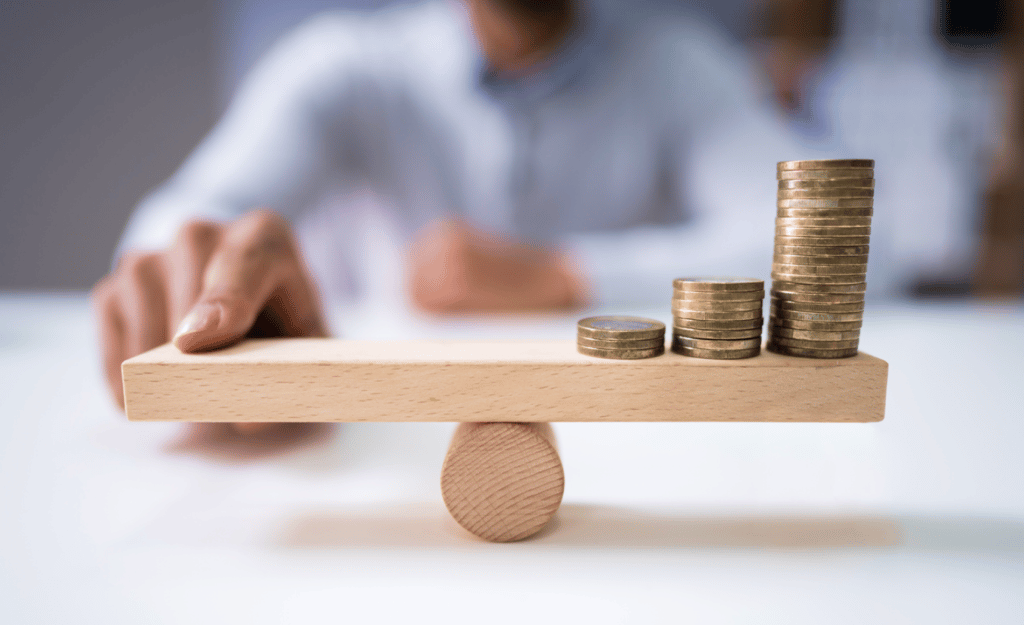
(502, 481)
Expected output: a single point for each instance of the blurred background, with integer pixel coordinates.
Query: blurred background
(99, 103)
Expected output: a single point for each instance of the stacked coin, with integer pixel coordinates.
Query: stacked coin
(621, 338)
(718, 318)
(821, 257)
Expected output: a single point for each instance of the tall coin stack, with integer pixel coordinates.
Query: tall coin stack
(717, 318)
(620, 338)
(821, 257)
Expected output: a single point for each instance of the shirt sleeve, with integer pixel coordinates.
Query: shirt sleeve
(725, 146)
(297, 119)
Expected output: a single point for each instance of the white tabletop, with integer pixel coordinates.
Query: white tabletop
(919, 517)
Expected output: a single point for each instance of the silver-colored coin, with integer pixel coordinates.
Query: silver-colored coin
(820, 251)
(812, 353)
(716, 354)
(717, 284)
(817, 298)
(785, 286)
(828, 326)
(823, 194)
(788, 342)
(833, 307)
(685, 341)
(720, 335)
(724, 296)
(838, 183)
(621, 354)
(737, 315)
(682, 324)
(826, 203)
(819, 259)
(824, 231)
(824, 212)
(814, 335)
(583, 341)
(831, 163)
(820, 270)
(846, 241)
(825, 174)
(756, 304)
(822, 222)
(820, 279)
(620, 327)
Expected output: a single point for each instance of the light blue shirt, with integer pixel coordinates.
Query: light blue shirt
(642, 147)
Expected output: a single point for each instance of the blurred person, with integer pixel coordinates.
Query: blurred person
(871, 77)
(999, 270)
(531, 154)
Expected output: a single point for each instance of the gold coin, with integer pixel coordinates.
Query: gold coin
(683, 324)
(837, 307)
(839, 183)
(788, 342)
(819, 194)
(620, 327)
(829, 326)
(717, 306)
(812, 353)
(818, 298)
(796, 315)
(822, 231)
(825, 174)
(826, 203)
(820, 279)
(728, 296)
(583, 341)
(735, 315)
(717, 284)
(716, 354)
(822, 222)
(795, 287)
(820, 270)
(831, 163)
(716, 344)
(814, 335)
(815, 213)
(822, 241)
(621, 354)
(808, 259)
(748, 333)
(808, 250)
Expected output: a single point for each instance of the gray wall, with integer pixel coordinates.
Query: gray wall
(99, 101)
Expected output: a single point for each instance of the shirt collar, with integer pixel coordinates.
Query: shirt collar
(564, 66)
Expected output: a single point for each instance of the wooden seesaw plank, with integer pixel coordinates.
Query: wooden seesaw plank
(342, 380)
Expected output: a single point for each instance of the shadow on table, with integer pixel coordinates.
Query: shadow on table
(585, 526)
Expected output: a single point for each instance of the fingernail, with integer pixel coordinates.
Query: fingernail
(202, 317)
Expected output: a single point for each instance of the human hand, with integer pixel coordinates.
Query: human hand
(216, 284)
(456, 268)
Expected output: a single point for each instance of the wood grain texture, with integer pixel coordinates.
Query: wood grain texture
(502, 481)
(340, 380)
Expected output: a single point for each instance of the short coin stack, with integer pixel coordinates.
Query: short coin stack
(821, 256)
(718, 318)
(620, 338)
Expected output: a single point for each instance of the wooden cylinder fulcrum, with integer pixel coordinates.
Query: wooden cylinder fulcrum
(502, 481)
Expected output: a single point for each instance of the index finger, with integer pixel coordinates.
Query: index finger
(256, 263)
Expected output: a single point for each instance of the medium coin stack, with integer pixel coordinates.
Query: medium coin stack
(717, 318)
(620, 338)
(822, 233)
